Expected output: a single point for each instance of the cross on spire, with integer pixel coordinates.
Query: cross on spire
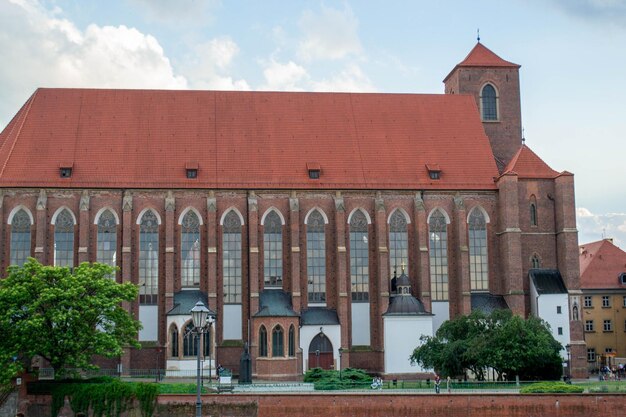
(478, 35)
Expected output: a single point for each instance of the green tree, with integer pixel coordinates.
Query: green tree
(509, 344)
(64, 316)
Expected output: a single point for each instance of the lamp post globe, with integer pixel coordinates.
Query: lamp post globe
(199, 315)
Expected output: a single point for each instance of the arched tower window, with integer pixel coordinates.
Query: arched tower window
(231, 257)
(479, 272)
(262, 342)
(359, 257)
(190, 250)
(489, 103)
(20, 237)
(278, 343)
(438, 251)
(190, 338)
(174, 341)
(64, 239)
(398, 242)
(533, 211)
(316, 257)
(273, 250)
(535, 261)
(148, 258)
(292, 341)
(106, 247)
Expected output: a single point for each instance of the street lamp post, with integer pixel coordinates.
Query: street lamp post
(569, 369)
(340, 364)
(210, 321)
(202, 319)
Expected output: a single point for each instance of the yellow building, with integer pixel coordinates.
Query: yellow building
(603, 284)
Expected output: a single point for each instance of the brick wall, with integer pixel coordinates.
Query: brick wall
(294, 207)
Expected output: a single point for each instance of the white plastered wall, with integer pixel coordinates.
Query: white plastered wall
(402, 336)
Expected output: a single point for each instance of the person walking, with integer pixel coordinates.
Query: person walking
(437, 383)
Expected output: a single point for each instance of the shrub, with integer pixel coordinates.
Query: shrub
(334, 380)
(551, 387)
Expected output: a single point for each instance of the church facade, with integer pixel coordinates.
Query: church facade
(319, 227)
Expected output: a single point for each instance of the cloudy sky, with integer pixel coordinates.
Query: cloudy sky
(572, 52)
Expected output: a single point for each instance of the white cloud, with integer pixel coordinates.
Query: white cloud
(42, 49)
(331, 34)
(351, 78)
(284, 77)
(593, 227)
(170, 11)
(207, 65)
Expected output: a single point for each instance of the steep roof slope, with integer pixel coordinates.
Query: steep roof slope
(146, 138)
(527, 164)
(601, 264)
(481, 56)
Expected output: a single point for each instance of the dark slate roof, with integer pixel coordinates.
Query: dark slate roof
(406, 305)
(184, 301)
(547, 281)
(275, 303)
(403, 281)
(319, 315)
(487, 303)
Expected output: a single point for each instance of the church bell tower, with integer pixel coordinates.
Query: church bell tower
(494, 83)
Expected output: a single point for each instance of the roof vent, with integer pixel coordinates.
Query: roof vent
(192, 170)
(314, 170)
(65, 169)
(434, 171)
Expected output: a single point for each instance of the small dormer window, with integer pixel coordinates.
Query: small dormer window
(192, 170)
(314, 170)
(434, 171)
(622, 278)
(65, 169)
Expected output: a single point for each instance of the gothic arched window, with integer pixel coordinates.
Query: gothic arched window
(398, 243)
(535, 261)
(278, 343)
(106, 246)
(292, 341)
(231, 258)
(479, 272)
(359, 257)
(533, 213)
(489, 103)
(316, 257)
(438, 251)
(148, 258)
(262, 342)
(190, 250)
(64, 239)
(273, 250)
(190, 341)
(174, 341)
(20, 237)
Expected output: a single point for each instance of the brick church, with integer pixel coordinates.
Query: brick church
(323, 229)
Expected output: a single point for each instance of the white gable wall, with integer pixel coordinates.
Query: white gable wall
(402, 334)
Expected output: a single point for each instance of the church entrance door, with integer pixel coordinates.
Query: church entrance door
(321, 352)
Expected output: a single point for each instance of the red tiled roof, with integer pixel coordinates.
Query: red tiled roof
(526, 164)
(601, 264)
(481, 56)
(146, 139)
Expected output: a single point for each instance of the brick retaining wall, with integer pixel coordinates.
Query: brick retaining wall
(403, 405)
